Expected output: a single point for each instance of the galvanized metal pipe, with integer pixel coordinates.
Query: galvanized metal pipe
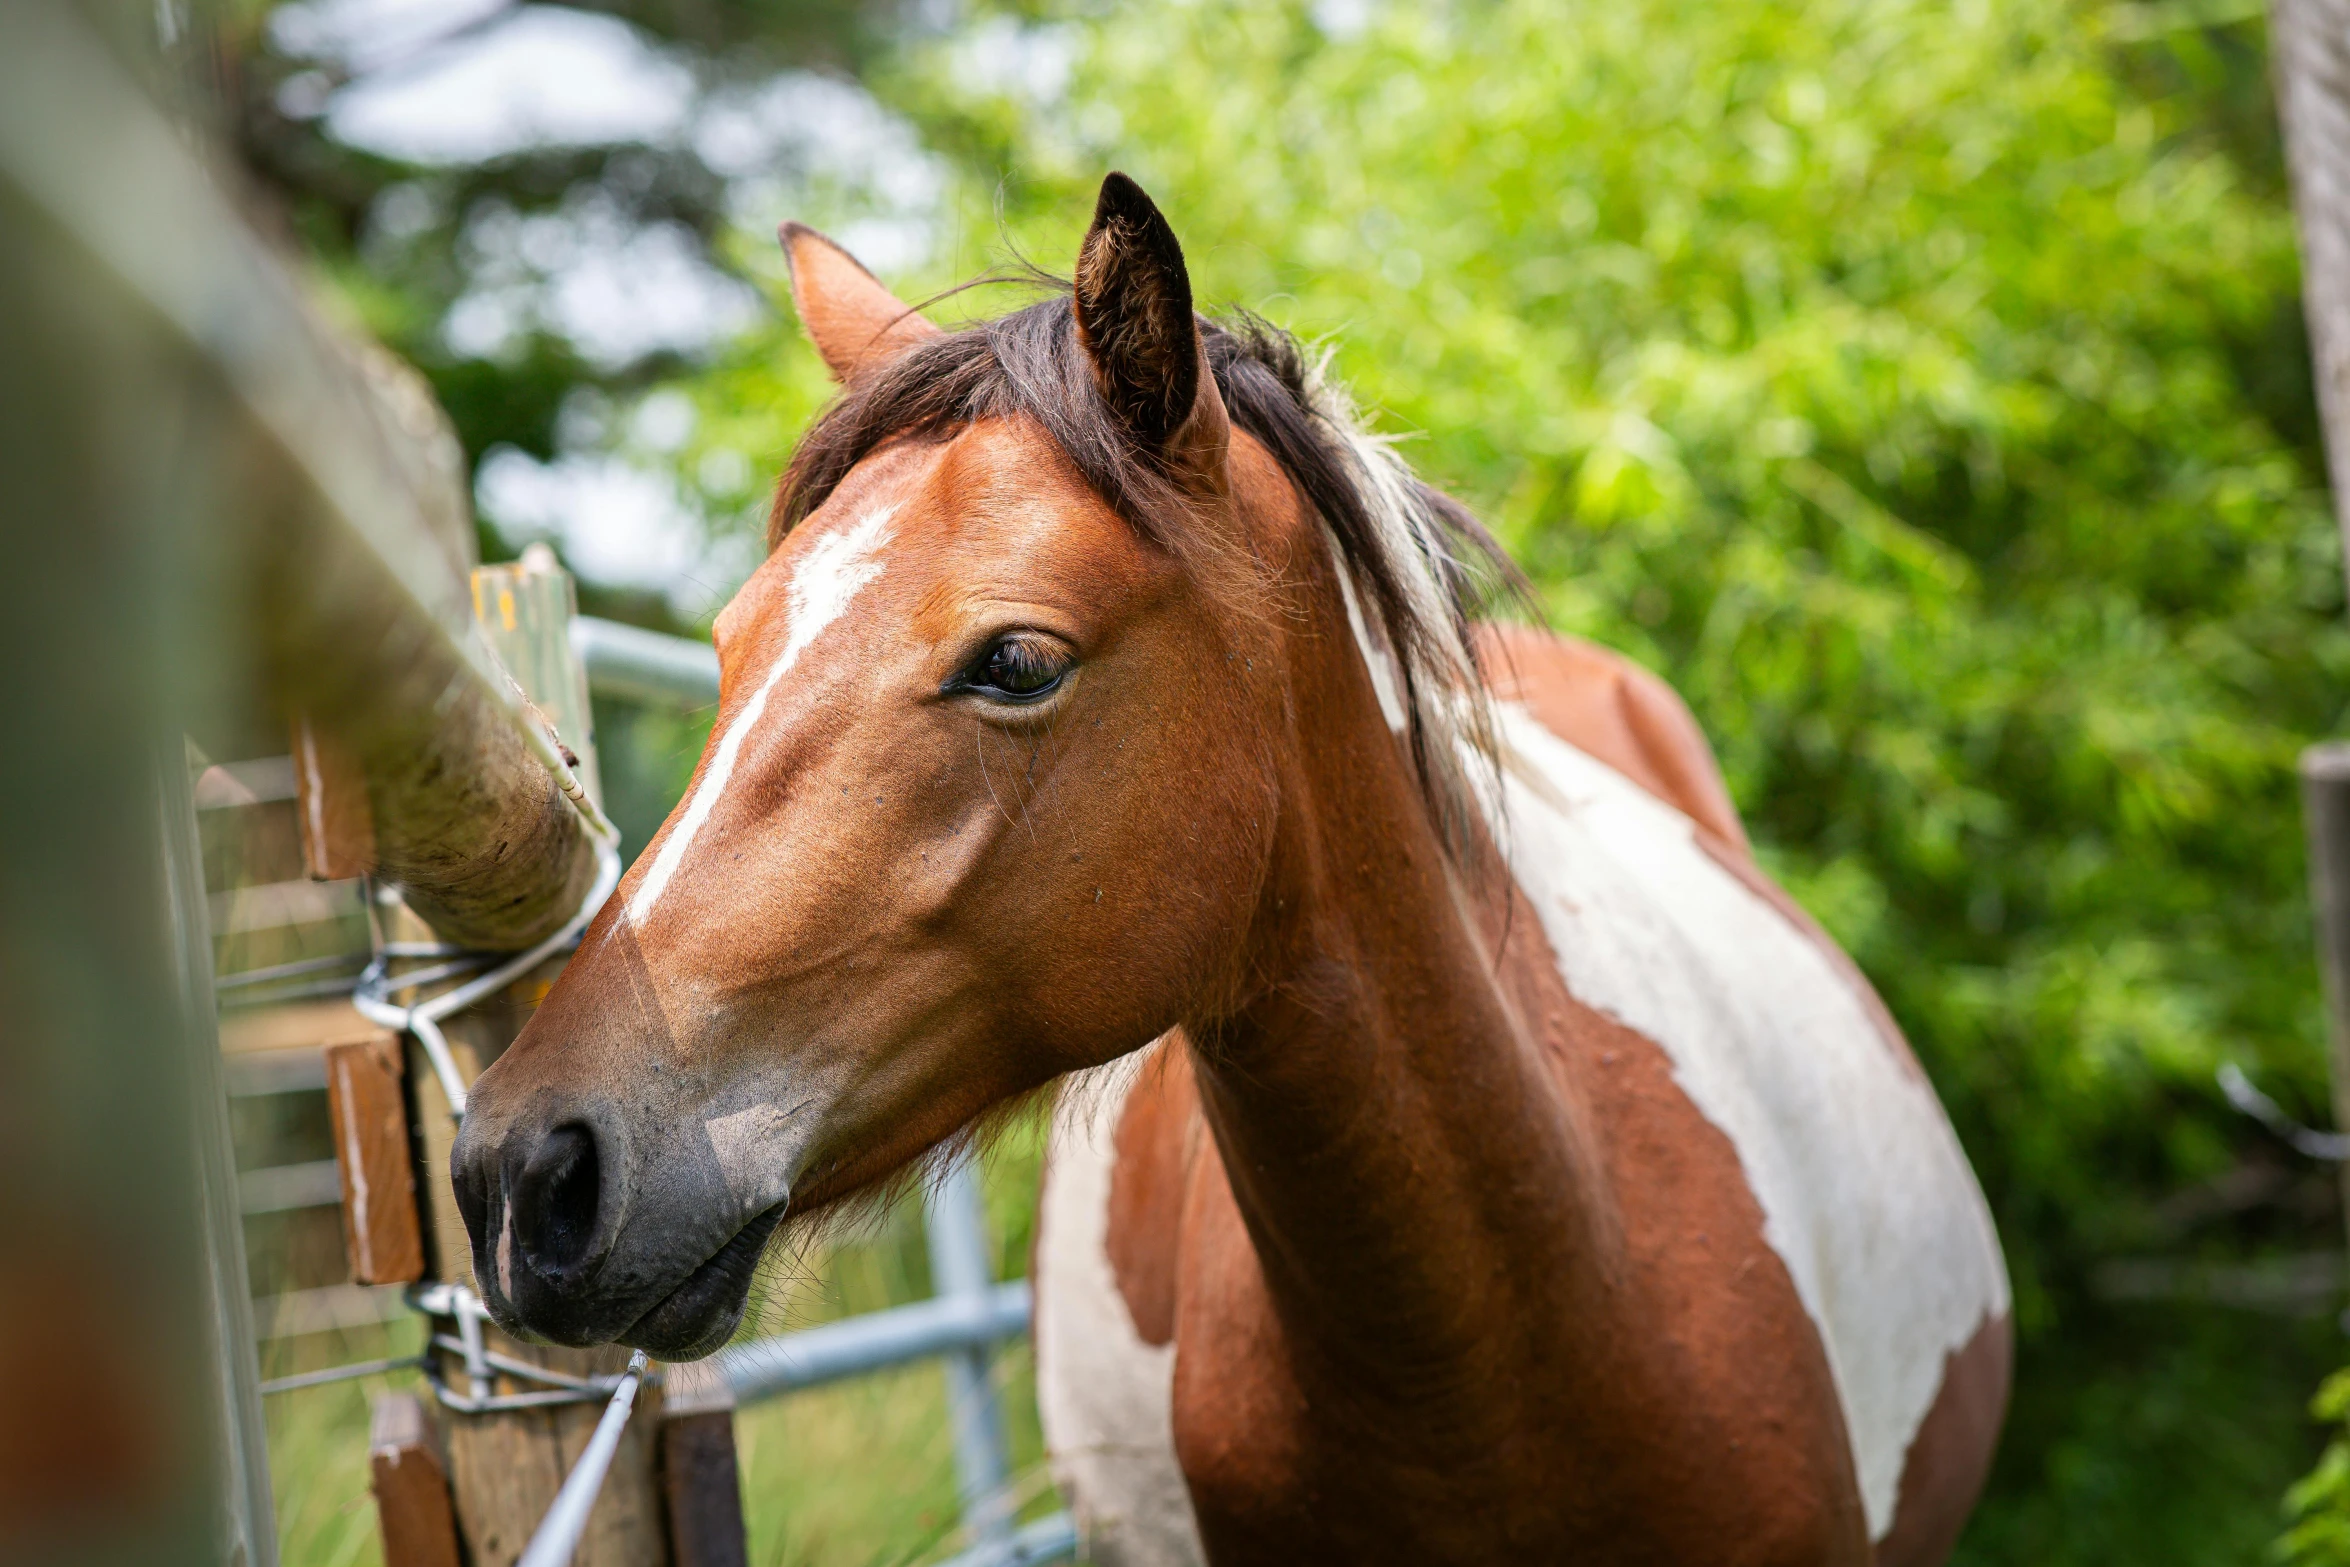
(956, 1223)
(645, 666)
(764, 1368)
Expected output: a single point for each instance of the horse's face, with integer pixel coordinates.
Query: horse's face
(984, 802)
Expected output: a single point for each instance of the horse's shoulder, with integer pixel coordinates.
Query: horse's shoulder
(1602, 703)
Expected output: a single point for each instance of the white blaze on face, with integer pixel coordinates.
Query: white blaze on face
(832, 573)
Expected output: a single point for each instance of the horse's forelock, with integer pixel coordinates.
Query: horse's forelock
(1418, 558)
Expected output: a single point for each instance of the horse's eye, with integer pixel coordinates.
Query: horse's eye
(1018, 667)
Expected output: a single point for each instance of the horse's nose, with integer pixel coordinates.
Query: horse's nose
(553, 1201)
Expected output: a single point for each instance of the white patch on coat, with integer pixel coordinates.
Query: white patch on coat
(1865, 1193)
(832, 573)
(1107, 1399)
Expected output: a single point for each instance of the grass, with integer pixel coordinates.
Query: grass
(318, 1445)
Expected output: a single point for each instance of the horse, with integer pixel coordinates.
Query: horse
(1464, 1152)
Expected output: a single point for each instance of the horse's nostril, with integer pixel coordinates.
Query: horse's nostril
(471, 1169)
(554, 1202)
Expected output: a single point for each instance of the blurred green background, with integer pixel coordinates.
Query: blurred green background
(1920, 387)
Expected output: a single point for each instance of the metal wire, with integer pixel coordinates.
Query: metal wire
(420, 949)
(240, 1000)
(463, 963)
(278, 971)
(482, 1365)
(361, 1368)
(495, 1403)
(523, 1370)
(423, 1018)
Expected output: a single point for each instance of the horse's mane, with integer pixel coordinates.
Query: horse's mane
(1418, 559)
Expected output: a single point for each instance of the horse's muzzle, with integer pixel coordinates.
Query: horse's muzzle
(574, 1243)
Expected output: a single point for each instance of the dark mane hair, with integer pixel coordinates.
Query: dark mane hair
(1416, 558)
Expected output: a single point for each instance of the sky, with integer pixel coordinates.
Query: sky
(440, 82)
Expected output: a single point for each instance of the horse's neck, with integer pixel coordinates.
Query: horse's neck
(1396, 1142)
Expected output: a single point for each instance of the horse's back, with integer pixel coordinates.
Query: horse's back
(1660, 919)
(1602, 703)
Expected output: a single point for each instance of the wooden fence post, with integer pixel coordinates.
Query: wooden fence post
(701, 1484)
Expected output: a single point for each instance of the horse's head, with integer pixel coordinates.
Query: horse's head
(988, 798)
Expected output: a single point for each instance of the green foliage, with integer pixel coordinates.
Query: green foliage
(1918, 387)
(2319, 1503)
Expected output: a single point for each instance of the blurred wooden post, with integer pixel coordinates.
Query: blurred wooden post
(2309, 44)
(2310, 48)
(304, 521)
(411, 1487)
(2325, 804)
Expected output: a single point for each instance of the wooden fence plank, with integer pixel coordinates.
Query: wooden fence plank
(411, 1486)
(381, 1234)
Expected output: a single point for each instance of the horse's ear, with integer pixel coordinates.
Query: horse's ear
(848, 315)
(1134, 317)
